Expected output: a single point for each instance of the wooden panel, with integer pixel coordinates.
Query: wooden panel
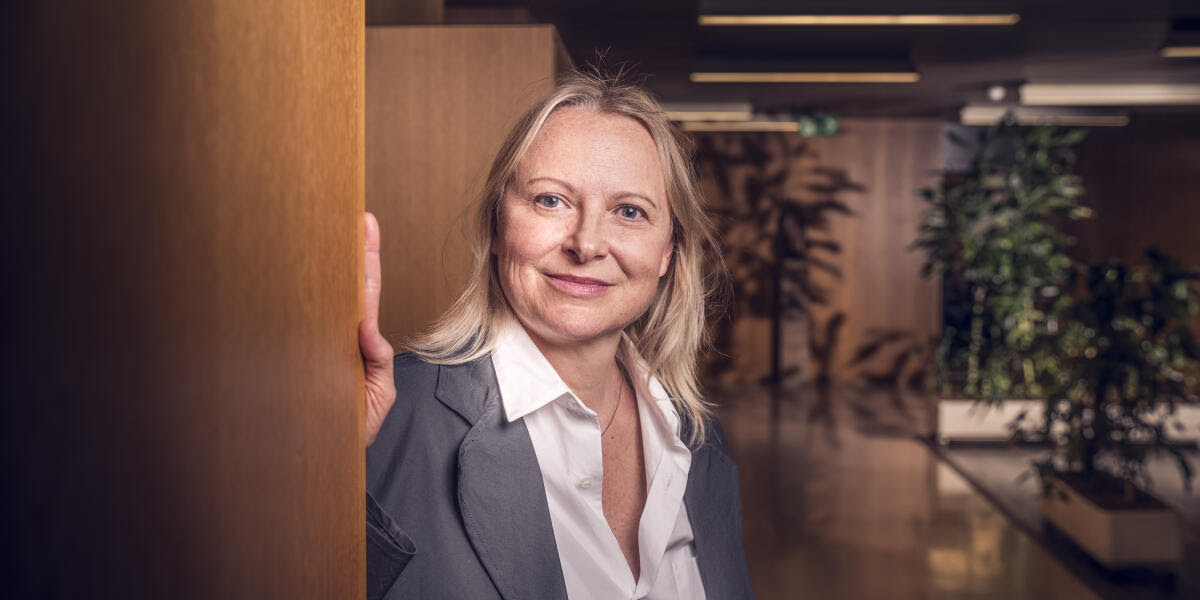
(181, 378)
(439, 103)
(405, 12)
(881, 286)
(1141, 182)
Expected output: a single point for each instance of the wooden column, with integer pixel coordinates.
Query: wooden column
(439, 102)
(182, 268)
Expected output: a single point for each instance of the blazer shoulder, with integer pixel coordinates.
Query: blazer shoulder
(409, 367)
(714, 434)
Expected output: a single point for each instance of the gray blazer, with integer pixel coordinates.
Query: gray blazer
(456, 507)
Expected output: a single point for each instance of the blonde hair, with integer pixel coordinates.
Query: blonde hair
(671, 333)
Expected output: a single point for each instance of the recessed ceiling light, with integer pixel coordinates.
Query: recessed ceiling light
(806, 77)
(996, 93)
(1026, 115)
(859, 20)
(1109, 94)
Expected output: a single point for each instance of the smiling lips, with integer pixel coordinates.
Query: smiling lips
(578, 286)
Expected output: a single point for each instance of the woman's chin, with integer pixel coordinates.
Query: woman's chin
(574, 332)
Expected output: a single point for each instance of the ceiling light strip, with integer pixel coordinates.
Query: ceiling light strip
(814, 77)
(990, 115)
(1181, 52)
(785, 126)
(1035, 94)
(708, 111)
(676, 115)
(859, 20)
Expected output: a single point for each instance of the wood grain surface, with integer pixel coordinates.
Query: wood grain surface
(183, 264)
(1141, 182)
(439, 102)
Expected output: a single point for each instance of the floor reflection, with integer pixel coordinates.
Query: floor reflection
(998, 471)
(840, 500)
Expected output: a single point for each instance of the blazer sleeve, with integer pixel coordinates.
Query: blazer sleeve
(388, 550)
(389, 547)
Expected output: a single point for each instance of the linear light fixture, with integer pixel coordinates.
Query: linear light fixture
(786, 126)
(695, 111)
(1038, 115)
(1180, 52)
(806, 77)
(1041, 94)
(859, 20)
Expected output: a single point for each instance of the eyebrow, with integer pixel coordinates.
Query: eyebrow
(570, 188)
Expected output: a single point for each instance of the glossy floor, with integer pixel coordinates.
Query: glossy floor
(840, 500)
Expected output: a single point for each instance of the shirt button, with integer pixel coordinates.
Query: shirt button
(585, 483)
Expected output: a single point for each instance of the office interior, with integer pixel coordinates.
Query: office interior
(182, 267)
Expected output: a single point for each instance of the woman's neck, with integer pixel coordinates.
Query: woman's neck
(589, 369)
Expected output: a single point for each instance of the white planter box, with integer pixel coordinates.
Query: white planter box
(1115, 538)
(960, 420)
(972, 421)
(1188, 415)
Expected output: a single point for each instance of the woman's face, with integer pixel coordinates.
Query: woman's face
(584, 229)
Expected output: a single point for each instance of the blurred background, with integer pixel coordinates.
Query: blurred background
(958, 359)
(911, 196)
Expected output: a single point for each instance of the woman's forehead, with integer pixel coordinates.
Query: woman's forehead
(590, 147)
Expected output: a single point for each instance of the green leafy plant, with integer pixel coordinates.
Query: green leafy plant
(1130, 356)
(990, 233)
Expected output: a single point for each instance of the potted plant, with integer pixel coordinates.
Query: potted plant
(1130, 360)
(990, 234)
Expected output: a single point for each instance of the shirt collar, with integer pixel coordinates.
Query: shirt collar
(528, 382)
(526, 379)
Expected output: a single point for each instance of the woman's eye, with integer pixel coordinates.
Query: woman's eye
(548, 201)
(631, 212)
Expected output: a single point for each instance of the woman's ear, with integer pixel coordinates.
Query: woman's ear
(498, 222)
(497, 228)
(668, 252)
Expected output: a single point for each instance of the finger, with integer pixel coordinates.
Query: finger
(376, 350)
(373, 284)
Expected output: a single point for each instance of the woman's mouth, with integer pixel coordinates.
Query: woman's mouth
(578, 286)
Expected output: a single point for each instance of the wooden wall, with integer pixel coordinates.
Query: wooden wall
(880, 287)
(1143, 183)
(182, 256)
(439, 102)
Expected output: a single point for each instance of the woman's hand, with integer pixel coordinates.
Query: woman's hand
(377, 353)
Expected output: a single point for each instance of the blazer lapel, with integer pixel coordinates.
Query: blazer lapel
(500, 491)
(714, 510)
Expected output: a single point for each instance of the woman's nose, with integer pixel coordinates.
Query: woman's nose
(586, 241)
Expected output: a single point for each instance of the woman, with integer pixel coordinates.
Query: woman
(549, 439)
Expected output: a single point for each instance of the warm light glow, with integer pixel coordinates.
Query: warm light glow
(1109, 94)
(709, 112)
(787, 126)
(1181, 52)
(815, 77)
(859, 20)
(990, 115)
(708, 116)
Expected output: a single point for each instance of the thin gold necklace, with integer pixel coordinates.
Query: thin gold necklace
(620, 393)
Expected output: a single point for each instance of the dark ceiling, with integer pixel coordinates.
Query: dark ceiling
(1065, 41)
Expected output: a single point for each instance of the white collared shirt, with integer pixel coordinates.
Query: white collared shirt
(566, 439)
